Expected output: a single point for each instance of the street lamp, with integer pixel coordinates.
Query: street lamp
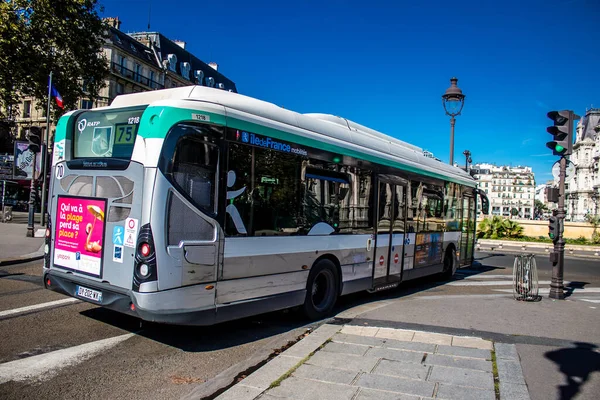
(468, 160)
(453, 101)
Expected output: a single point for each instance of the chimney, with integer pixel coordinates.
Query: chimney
(180, 43)
(114, 22)
(214, 65)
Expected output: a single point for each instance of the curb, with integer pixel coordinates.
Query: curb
(259, 381)
(537, 248)
(36, 255)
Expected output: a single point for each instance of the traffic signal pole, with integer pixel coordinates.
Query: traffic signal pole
(557, 289)
(562, 146)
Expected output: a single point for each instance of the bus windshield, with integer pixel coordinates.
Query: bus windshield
(106, 133)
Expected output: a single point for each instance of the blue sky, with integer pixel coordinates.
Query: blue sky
(385, 64)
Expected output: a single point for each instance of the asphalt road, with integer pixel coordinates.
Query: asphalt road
(101, 354)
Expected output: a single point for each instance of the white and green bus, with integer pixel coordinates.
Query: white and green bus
(195, 206)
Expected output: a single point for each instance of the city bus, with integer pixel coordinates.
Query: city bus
(195, 206)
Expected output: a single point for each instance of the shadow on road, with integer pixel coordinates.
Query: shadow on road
(205, 338)
(247, 330)
(570, 288)
(577, 364)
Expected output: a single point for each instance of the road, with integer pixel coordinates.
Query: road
(92, 352)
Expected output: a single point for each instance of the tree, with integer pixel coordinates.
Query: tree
(594, 220)
(39, 36)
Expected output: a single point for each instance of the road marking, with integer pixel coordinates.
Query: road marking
(591, 300)
(546, 291)
(37, 307)
(497, 283)
(45, 366)
(459, 296)
(480, 276)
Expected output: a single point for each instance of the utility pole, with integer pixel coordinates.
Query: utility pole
(45, 153)
(562, 146)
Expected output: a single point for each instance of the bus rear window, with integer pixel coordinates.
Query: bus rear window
(106, 133)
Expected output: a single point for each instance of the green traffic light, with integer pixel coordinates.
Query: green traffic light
(559, 148)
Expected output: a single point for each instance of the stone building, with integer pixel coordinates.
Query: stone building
(511, 190)
(583, 191)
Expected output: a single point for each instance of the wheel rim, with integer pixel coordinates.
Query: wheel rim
(322, 290)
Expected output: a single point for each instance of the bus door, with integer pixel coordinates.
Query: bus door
(467, 230)
(389, 245)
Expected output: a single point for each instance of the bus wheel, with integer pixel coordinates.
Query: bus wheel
(321, 290)
(449, 264)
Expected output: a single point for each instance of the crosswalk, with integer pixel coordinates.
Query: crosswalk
(502, 285)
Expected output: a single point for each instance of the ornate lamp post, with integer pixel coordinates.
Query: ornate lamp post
(453, 101)
(468, 160)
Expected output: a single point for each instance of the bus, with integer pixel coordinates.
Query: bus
(195, 206)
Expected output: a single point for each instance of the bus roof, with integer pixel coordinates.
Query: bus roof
(329, 126)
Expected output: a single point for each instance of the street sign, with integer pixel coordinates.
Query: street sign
(570, 173)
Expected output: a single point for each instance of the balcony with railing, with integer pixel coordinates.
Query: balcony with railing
(136, 77)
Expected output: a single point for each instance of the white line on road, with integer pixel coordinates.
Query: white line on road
(546, 291)
(459, 296)
(494, 283)
(46, 365)
(37, 307)
(480, 276)
(591, 300)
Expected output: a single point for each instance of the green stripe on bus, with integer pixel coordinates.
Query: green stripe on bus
(158, 120)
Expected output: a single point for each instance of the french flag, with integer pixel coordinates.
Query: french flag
(56, 95)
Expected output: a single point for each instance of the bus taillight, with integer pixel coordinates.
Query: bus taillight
(145, 250)
(145, 258)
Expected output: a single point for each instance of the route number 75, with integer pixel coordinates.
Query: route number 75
(124, 134)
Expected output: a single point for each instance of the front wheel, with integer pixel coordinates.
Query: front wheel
(321, 290)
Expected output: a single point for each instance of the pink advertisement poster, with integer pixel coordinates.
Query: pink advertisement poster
(79, 234)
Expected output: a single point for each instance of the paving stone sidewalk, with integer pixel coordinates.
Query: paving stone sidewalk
(362, 363)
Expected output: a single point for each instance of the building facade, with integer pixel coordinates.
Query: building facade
(583, 191)
(511, 190)
(151, 63)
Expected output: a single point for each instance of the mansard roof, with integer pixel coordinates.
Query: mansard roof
(590, 123)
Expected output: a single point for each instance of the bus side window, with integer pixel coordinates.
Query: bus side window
(194, 170)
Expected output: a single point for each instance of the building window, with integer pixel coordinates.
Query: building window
(138, 73)
(120, 88)
(152, 84)
(27, 109)
(86, 104)
(122, 64)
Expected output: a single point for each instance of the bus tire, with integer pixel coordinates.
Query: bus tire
(450, 264)
(321, 290)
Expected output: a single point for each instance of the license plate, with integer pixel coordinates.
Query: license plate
(89, 294)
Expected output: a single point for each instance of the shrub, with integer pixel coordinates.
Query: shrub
(497, 228)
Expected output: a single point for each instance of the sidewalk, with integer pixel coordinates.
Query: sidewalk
(363, 362)
(15, 246)
(422, 346)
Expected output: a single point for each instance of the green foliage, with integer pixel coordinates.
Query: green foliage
(499, 228)
(39, 36)
(594, 220)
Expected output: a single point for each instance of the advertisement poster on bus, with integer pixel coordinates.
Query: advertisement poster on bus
(23, 162)
(428, 249)
(79, 234)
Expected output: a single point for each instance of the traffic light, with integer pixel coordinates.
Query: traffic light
(35, 139)
(553, 227)
(562, 130)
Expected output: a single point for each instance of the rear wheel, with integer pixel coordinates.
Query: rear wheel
(450, 264)
(321, 290)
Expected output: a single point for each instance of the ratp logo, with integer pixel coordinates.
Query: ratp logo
(81, 125)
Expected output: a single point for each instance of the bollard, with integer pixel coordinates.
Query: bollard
(525, 279)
